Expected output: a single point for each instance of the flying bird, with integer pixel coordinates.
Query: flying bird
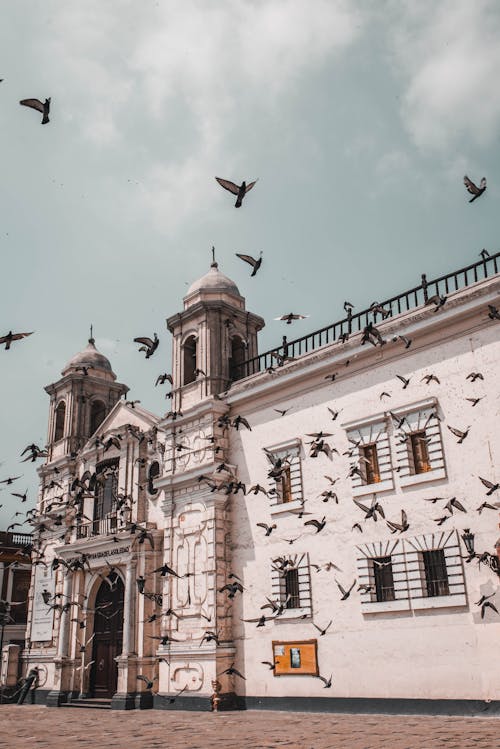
(148, 682)
(230, 671)
(251, 261)
(323, 630)
(333, 413)
(268, 528)
(473, 189)
(10, 480)
(161, 379)
(474, 401)
(149, 346)
(7, 339)
(326, 682)
(280, 412)
(232, 589)
(405, 381)
(430, 378)
(44, 107)
(240, 420)
(489, 485)
(291, 317)
(239, 190)
(319, 525)
(401, 527)
(345, 593)
(454, 503)
(458, 433)
(473, 376)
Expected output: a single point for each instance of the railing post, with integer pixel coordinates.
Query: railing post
(284, 343)
(424, 286)
(349, 320)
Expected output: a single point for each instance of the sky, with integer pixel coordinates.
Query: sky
(358, 118)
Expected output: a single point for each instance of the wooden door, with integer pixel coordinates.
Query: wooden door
(108, 631)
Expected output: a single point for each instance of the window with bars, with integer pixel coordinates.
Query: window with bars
(291, 585)
(369, 465)
(436, 575)
(292, 594)
(371, 469)
(287, 486)
(284, 485)
(419, 454)
(418, 443)
(384, 579)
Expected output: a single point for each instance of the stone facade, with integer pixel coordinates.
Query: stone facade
(412, 632)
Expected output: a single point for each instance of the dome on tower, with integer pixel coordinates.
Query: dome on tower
(215, 286)
(214, 280)
(92, 358)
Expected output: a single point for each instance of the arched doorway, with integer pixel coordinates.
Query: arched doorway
(108, 636)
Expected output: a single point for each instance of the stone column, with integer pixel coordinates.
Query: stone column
(62, 645)
(124, 698)
(59, 692)
(128, 609)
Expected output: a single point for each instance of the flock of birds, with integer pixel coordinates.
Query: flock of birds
(66, 510)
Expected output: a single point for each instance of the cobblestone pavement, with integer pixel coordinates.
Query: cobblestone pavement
(30, 727)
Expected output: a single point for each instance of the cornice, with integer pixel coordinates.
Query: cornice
(460, 311)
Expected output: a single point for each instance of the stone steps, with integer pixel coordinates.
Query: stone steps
(95, 702)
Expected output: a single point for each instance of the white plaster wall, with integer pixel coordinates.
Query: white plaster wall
(439, 653)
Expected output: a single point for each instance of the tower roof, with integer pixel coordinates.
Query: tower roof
(93, 359)
(212, 282)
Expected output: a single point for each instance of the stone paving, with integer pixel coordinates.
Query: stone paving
(30, 727)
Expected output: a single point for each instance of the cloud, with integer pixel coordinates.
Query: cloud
(449, 58)
(203, 72)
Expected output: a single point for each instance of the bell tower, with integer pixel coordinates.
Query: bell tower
(212, 336)
(80, 400)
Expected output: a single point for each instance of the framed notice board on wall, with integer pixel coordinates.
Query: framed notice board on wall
(295, 657)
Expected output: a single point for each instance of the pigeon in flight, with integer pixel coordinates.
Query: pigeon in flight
(474, 190)
(7, 339)
(239, 190)
(149, 346)
(44, 108)
(251, 261)
(291, 317)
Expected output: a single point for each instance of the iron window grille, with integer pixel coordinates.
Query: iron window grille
(419, 454)
(369, 465)
(384, 579)
(436, 575)
(292, 593)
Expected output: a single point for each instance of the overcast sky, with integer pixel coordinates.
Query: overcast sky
(359, 119)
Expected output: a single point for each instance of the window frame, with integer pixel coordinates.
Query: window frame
(370, 431)
(60, 423)
(290, 450)
(187, 351)
(299, 562)
(418, 419)
(379, 574)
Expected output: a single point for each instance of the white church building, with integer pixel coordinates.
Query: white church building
(332, 486)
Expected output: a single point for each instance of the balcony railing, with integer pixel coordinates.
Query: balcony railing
(106, 526)
(355, 323)
(15, 539)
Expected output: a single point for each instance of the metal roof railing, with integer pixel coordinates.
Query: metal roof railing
(355, 323)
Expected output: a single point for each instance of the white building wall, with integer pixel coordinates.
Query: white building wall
(413, 653)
